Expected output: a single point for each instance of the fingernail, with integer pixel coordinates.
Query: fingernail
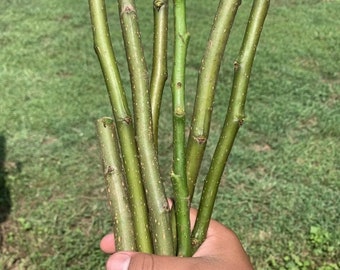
(118, 261)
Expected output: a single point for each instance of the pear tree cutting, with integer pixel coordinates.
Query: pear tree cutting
(142, 218)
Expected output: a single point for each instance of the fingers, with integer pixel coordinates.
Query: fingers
(107, 244)
(193, 214)
(142, 261)
(224, 247)
(211, 261)
(221, 250)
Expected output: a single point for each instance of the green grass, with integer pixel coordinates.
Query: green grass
(281, 187)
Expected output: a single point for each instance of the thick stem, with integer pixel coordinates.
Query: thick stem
(159, 66)
(207, 79)
(178, 98)
(116, 186)
(103, 48)
(234, 119)
(159, 217)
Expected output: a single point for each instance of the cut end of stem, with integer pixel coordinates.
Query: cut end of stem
(158, 4)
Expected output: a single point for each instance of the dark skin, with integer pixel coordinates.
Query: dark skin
(222, 250)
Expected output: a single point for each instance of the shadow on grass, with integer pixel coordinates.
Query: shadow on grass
(5, 198)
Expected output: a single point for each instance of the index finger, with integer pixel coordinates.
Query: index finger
(107, 244)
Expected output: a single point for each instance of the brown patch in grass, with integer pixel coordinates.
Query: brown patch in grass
(333, 100)
(309, 122)
(261, 147)
(11, 257)
(49, 140)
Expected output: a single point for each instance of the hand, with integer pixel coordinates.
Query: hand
(222, 250)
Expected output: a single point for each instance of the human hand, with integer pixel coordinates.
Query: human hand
(221, 250)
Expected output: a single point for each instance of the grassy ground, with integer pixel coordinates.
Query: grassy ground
(281, 187)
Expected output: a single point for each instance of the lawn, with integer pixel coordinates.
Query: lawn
(281, 186)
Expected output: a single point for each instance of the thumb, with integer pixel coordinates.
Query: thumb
(143, 261)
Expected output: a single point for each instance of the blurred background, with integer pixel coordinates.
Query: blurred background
(281, 186)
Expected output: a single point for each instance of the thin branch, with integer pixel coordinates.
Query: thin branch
(178, 176)
(123, 119)
(208, 75)
(159, 66)
(116, 186)
(234, 119)
(159, 217)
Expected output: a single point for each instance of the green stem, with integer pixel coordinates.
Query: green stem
(234, 119)
(103, 48)
(182, 218)
(159, 217)
(207, 79)
(178, 96)
(159, 66)
(116, 186)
